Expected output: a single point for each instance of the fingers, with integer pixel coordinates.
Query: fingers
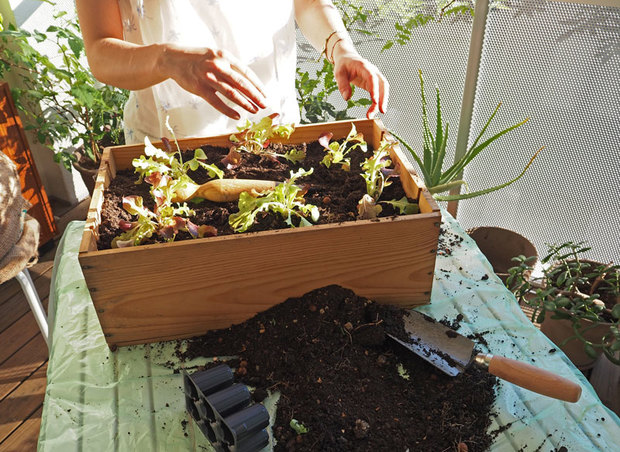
(217, 75)
(363, 74)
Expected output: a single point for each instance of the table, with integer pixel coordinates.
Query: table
(132, 399)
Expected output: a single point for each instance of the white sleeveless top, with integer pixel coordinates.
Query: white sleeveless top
(260, 33)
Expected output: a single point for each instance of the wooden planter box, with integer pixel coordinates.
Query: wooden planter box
(216, 282)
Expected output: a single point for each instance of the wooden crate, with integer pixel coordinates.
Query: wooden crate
(176, 290)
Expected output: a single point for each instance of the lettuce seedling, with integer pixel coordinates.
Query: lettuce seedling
(166, 222)
(336, 153)
(286, 199)
(254, 138)
(403, 206)
(166, 219)
(377, 173)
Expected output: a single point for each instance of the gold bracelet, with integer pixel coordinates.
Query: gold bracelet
(324, 52)
(332, 54)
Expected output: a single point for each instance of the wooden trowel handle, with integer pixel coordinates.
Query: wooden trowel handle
(223, 190)
(531, 377)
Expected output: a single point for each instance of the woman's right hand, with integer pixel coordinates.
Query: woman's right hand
(213, 73)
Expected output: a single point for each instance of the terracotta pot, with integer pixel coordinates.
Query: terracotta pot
(500, 245)
(558, 330)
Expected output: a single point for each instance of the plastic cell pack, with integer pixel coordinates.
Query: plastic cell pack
(223, 411)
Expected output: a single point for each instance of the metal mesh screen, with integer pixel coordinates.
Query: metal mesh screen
(439, 48)
(558, 63)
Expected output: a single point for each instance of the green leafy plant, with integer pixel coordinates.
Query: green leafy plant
(586, 293)
(58, 98)
(286, 199)
(336, 153)
(255, 138)
(377, 174)
(169, 162)
(434, 152)
(166, 220)
(298, 427)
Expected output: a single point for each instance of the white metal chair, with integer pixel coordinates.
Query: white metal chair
(19, 239)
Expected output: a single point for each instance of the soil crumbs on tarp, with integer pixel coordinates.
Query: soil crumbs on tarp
(353, 389)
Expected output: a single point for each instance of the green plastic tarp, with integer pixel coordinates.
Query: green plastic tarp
(132, 399)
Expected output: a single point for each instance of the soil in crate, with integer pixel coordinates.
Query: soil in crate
(334, 191)
(327, 354)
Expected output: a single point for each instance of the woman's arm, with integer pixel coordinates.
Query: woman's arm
(201, 71)
(321, 24)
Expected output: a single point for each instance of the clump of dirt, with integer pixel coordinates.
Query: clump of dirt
(351, 387)
(333, 190)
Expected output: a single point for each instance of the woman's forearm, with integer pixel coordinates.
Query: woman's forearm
(321, 24)
(125, 65)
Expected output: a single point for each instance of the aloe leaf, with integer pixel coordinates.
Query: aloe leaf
(459, 166)
(425, 174)
(488, 190)
(441, 155)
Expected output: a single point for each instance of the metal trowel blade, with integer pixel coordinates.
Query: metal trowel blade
(436, 343)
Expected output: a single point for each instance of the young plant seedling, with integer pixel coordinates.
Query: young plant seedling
(336, 153)
(170, 163)
(434, 153)
(377, 173)
(286, 199)
(255, 138)
(166, 219)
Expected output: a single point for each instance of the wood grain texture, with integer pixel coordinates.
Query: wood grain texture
(14, 144)
(26, 436)
(535, 379)
(22, 402)
(219, 281)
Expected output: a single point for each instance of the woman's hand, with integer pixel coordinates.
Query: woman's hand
(212, 73)
(351, 68)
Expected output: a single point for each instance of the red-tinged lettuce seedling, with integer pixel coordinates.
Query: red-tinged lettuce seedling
(166, 219)
(286, 199)
(254, 138)
(377, 174)
(169, 162)
(336, 153)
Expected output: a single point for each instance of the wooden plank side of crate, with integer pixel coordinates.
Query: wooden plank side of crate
(225, 280)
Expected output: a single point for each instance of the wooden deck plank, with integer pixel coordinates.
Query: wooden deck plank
(26, 436)
(22, 365)
(17, 335)
(11, 288)
(20, 404)
(17, 306)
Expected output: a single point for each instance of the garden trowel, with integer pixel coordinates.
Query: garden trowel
(452, 353)
(222, 190)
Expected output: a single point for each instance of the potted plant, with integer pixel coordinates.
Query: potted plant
(577, 301)
(59, 99)
(431, 162)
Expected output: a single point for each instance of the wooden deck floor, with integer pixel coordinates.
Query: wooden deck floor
(23, 353)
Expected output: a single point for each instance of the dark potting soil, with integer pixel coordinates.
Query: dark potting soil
(334, 191)
(327, 354)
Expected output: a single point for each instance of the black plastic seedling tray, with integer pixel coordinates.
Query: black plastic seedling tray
(223, 411)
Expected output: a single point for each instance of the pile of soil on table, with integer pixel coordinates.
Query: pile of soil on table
(351, 387)
(334, 191)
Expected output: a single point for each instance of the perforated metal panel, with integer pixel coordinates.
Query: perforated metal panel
(557, 63)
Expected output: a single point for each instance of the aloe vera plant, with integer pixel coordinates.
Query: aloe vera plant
(434, 153)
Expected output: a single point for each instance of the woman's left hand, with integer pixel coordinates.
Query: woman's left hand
(350, 68)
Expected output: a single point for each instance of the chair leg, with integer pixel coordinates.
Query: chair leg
(35, 303)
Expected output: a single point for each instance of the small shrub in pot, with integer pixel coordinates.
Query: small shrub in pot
(584, 293)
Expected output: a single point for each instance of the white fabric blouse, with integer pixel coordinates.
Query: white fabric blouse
(260, 33)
